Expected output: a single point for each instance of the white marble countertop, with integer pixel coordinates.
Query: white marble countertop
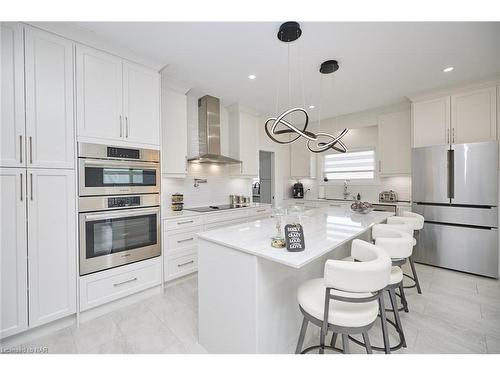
(398, 203)
(169, 214)
(324, 230)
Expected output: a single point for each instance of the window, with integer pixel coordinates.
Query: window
(355, 165)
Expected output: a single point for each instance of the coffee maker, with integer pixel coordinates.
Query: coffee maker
(298, 190)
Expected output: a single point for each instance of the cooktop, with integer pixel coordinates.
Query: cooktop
(216, 208)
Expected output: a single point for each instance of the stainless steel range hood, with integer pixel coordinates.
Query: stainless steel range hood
(209, 133)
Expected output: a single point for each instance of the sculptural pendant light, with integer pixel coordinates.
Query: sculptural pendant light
(279, 126)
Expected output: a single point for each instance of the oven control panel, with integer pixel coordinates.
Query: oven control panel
(123, 201)
(123, 153)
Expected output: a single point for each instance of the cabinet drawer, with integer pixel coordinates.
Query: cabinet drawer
(227, 216)
(182, 240)
(107, 286)
(181, 263)
(180, 223)
(223, 224)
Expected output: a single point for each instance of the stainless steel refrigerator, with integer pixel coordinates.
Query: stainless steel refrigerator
(455, 187)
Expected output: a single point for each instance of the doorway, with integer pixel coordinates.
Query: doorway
(263, 186)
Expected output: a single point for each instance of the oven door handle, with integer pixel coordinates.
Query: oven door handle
(122, 213)
(118, 163)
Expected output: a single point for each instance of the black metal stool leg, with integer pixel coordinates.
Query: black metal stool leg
(303, 330)
(334, 339)
(383, 322)
(345, 343)
(403, 298)
(368, 346)
(415, 277)
(399, 326)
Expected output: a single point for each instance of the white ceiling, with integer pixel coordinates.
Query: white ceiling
(380, 63)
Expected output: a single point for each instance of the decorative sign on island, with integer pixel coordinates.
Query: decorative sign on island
(294, 236)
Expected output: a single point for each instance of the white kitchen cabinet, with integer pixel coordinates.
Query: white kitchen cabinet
(243, 140)
(12, 131)
(49, 100)
(13, 252)
(99, 94)
(116, 100)
(474, 116)
(302, 161)
(141, 102)
(51, 244)
(431, 122)
(465, 116)
(394, 143)
(174, 132)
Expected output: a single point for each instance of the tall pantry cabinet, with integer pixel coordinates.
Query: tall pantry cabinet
(37, 179)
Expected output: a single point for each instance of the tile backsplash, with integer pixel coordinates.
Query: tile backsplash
(400, 184)
(216, 191)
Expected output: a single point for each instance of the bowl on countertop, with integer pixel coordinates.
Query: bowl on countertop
(362, 207)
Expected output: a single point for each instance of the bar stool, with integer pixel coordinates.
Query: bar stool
(356, 291)
(399, 246)
(416, 221)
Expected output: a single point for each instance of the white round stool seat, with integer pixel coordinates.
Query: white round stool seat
(396, 275)
(311, 297)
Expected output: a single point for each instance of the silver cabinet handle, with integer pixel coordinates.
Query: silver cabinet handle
(21, 175)
(31, 186)
(380, 165)
(185, 264)
(261, 210)
(185, 240)
(31, 151)
(453, 134)
(126, 126)
(125, 282)
(448, 136)
(21, 149)
(185, 222)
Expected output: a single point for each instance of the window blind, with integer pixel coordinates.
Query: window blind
(354, 165)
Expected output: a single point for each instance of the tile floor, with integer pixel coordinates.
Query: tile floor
(457, 313)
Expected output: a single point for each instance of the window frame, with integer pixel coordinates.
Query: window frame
(362, 181)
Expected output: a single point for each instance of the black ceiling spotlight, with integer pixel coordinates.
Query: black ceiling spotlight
(329, 66)
(289, 31)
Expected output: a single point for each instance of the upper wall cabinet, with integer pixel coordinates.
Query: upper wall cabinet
(473, 116)
(463, 117)
(243, 140)
(174, 132)
(99, 94)
(431, 122)
(302, 161)
(141, 101)
(394, 144)
(49, 100)
(116, 100)
(12, 131)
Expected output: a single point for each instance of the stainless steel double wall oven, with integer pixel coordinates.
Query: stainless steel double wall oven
(119, 206)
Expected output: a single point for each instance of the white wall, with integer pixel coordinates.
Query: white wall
(282, 184)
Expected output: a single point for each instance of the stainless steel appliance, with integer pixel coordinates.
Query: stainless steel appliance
(116, 230)
(385, 208)
(107, 170)
(217, 208)
(388, 196)
(456, 189)
(298, 190)
(119, 206)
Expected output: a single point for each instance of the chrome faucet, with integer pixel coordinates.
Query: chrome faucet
(198, 181)
(346, 192)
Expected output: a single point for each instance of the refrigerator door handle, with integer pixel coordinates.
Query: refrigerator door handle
(451, 174)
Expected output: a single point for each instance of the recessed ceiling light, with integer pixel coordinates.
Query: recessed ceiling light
(448, 69)
(311, 107)
(251, 76)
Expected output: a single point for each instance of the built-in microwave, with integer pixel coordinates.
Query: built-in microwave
(109, 170)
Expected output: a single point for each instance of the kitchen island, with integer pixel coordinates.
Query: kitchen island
(247, 289)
